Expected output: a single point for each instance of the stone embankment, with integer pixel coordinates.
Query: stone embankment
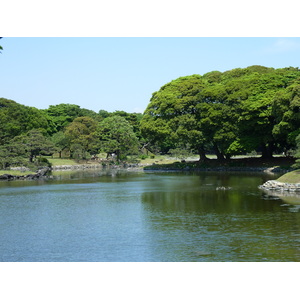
(274, 185)
(76, 167)
(94, 166)
(39, 174)
(43, 173)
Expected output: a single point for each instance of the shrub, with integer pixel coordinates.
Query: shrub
(42, 161)
(297, 154)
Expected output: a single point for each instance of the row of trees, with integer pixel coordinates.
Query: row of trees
(238, 111)
(26, 132)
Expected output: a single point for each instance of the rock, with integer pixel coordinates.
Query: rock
(280, 186)
(223, 188)
(40, 173)
(7, 177)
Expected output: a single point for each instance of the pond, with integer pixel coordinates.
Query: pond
(121, 216)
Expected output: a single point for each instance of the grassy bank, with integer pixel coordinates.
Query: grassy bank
(16, 172)
(62, 161)
(290, 177)
(164, 162)
(158, 159)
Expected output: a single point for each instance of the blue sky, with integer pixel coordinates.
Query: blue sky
(121, 73)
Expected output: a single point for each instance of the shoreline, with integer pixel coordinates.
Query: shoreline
(277, 186)
(273, 170)
(44, 172)
(37, 175)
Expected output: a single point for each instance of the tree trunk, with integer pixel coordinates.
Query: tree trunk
(220, 156)
(118, 155)
(202, 155)
(31, 156)
(267, 151)
(227, 156)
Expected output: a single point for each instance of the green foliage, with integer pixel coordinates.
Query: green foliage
(171, 117)
(255, 108)
(103, 114)
(60, 141)
(25, 148)
(10, 156)
(297, 153)
(62, 114)
(286, 112)
(82, 133)
(42, 161)
(16, 119)
(133, 119)
(32, 144)
(228, 113)
(180, 153)
(117, 137)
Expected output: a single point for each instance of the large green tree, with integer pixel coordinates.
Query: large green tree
(62, 115)
(297, 154)
(286, 113)
(81, 134)
(117, 137)
(259, 116)
(32, 144)
(229, 112)
(192, 110)
(60, 141)
(16, 119)
(170, 119)
(12, 153)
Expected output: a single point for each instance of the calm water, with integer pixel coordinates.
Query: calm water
(136, 216)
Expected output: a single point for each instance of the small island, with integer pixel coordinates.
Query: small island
(289, 182)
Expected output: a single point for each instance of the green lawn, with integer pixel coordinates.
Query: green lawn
(290, 177)
(15, 172)
(62, 161)
(158, 159)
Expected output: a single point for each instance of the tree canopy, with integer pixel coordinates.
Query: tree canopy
(117, 137)
(16, 119)
(81, 135)
(227, 113)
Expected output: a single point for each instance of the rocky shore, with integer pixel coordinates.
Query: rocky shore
(44, 172)
(76, 167)
(274, 185)
(39, 174)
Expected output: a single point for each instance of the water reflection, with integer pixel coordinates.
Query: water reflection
(118, 215)
(203, 223)
(290, 199)
(201, 193)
